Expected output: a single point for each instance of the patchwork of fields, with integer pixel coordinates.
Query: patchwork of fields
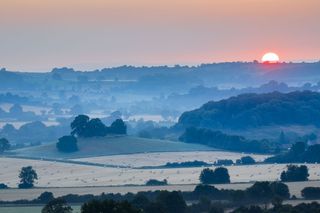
(57, 174)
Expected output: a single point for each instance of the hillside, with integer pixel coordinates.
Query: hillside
(93, 147)
(256, 110)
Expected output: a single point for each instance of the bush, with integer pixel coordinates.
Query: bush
(186, 164)
(295, 173)
(219, 175)
(311, 193)
(247, 160)
(153, 182)
(67, 144)
(224, 162)
(3, 186)
(57, 206)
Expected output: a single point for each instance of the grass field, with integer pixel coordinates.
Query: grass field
(110, 146)
(29, 194)
(30, 209)
(57, 174)
(161, 158)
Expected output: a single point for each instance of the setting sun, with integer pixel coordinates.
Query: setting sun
(270, 58)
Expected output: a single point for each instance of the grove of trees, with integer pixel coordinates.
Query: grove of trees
(295, 173)
(298, 153)
(219, 140)
(217, 176)
(83, 126)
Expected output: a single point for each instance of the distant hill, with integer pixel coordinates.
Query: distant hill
(256, 110)
(112, 145)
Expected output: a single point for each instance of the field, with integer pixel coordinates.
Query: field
(30, 209)
(57, 174)
(114, 145)
(29, 194)
(161, 158)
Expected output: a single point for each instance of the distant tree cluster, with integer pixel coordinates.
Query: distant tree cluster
(67, 144)
(255, 110)
(295, 173)
(217, 176)
(154, 182)
(195, 163)
(83, 126)
(58, 205)
(311, 193)
(246, 160)
(298, 153)
(219, 140)
(165, 201)
(4, 145)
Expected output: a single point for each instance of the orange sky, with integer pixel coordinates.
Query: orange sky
(37, 35)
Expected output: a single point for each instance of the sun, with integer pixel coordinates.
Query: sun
(270, 58)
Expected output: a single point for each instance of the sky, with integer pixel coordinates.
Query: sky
(38, 35)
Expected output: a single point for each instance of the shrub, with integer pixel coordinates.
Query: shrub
(153, 182)
(3, 186)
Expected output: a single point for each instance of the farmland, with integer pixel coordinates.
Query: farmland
(113, 145)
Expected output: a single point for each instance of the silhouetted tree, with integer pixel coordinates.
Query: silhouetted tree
(311, 192)
(219, 175)
(295, 173)
(95, 128)
(108, 206)
(45, 197)
(57, 206)
(3, 186)
(79, 125)
(247, 160)
(27, 177)
(118, 127)
(67, 144)
(172, 202)
(4, 145)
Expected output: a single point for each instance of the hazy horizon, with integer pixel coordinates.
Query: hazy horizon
(86, 35)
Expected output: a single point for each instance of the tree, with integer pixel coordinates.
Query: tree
(295, 173)
(95, 128)
(172, 202)
(118, 127)
(3, 186)
(45, 197)
(219, 175)
(108, 206)
(27, 177)
(67, 144)
(4, 145)
(311, 193)
(247, 160)
(298, 149)
(79, 124)
(58, 205)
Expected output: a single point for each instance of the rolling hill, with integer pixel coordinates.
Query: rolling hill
(112, 145)
(256, 110)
